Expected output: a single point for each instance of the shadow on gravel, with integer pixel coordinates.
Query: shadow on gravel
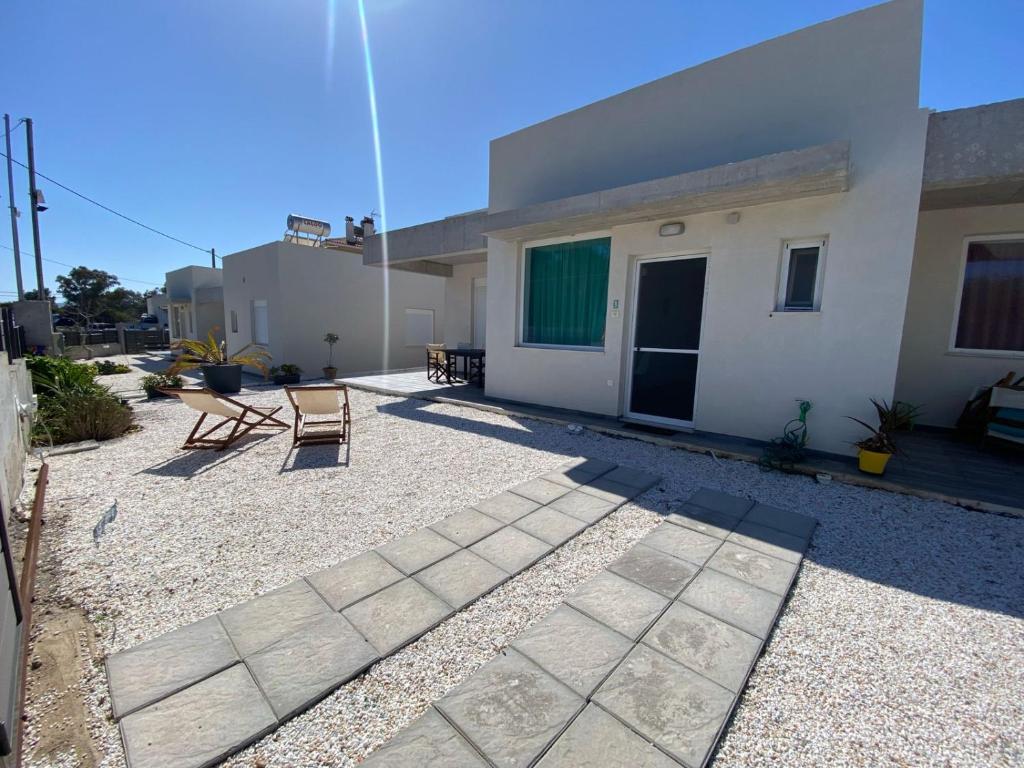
(198, 461)
(306, 457)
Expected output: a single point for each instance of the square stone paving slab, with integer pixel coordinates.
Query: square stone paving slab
(461, 578)
(583, 506)
(683, 543)
(783, 520)
(507, 506)
(167, 664)
(415, 551)
(550, 525)
(199, 726)
(576, 472)
(351, 580)
(597, 740)
(618, 603)
(511, 550)
(634, 478)
(753, 567)
(577, 650)
(769, 541)
(511, 709)
(397, 615)
(609, 490)
(655, 570)
(735, 506)
(298, 671)
(467, 526)
(665, 702)
(717, 650)
(733, 601)
(540, 490)
(264, 620)
(706, 521)
(429, 741)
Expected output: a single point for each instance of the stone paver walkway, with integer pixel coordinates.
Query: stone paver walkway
(194, 696)
(641, 667)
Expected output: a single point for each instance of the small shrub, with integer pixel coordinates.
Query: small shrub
(54, 376)
(154, 382)
(72, 406)
(108, 367)
(94, 416)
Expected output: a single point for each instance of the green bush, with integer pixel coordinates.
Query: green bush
(107, 367)
(72, 406)
(154, 382)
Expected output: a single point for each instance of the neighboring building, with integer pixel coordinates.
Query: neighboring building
(286, 295)
(157, 305)
(706, 249)
(195, 302)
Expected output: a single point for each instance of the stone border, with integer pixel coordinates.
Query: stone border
(675, 625)
(211, 688)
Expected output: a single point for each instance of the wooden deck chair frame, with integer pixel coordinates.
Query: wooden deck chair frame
(248, 418)
(438, 363)
(302, 420)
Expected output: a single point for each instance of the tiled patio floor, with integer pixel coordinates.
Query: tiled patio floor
(195, 695)
(642, 666)
(933, 463)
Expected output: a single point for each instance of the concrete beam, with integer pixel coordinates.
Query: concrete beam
(452, 236)
(818, 170)
(975, 156)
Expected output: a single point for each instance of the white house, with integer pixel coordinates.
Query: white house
(286, 295)
(782, 223)
(195, 302)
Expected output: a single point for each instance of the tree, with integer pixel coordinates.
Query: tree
(33, 295)
(85, 292)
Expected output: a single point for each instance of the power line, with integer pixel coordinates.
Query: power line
(111, 210)
(72, 266)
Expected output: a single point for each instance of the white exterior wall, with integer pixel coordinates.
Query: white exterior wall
(930, 375)
(458, 311)
(852, 79)
(184, 286)
(312, 291)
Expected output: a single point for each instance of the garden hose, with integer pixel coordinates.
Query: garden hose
(783, 453)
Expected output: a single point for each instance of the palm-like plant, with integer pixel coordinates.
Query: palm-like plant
(893, 418)
(209, 352)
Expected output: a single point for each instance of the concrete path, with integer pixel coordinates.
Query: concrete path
(194, 696)
(641, 667)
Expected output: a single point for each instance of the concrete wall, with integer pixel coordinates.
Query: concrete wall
(458, 298)
(929, 374)
(856, 79)
(810, 87)
(311, 291)
(157, 305)
(15, 393)
(202, 289)
(37, 317)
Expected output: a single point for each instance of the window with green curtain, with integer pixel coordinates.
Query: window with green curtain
(566, 293)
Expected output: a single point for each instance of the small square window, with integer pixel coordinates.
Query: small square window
(800, 276)
(234, 321)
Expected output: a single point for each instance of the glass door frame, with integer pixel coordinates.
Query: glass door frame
(644, 418)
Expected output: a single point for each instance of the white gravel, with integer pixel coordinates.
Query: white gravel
(902, 644)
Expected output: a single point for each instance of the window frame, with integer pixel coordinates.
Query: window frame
(524, 246)
(266, 306)
(952, 348)
(821, 243)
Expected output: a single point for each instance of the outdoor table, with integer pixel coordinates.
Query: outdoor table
(473, 364)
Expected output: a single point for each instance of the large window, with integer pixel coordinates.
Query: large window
(800, 282)
(566, 293)
(991, 312)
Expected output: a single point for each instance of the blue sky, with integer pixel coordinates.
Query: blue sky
(214, 119)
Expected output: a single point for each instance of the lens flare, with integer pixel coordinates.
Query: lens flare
(329, 47)
(371, 88)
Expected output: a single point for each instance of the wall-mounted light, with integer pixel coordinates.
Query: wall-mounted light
(733, 218)
(672, 228)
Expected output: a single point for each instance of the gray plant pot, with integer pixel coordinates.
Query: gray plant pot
(226, 379)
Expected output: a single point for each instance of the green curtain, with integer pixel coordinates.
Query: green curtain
(567, 293)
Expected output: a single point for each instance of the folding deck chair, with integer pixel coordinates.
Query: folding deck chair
(321, 400)
(243, 418)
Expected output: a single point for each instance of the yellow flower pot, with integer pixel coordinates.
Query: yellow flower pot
(873, 462)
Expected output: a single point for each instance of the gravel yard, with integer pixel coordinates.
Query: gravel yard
(902, 643)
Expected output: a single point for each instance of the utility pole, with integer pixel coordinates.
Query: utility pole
(32, 193)
(14, 210)
(213, 258)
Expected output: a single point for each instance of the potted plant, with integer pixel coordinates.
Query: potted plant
(221, 371)
(330, 371)
(154, 382)
(286, 373)
(875, 450)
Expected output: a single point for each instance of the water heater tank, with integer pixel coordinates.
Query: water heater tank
(313, 227)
